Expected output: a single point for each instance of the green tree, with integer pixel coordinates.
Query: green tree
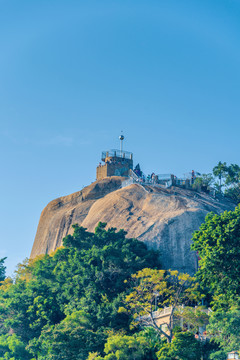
(224, 326)
(12, 348)
(233, 183)
(218, 355)
(220, 171)
(87, 275)
(72, 338)
(29, 303)
(139, 346)
(156, 289)
(194, 317)
(233, 174)
(218, 245)
(184, 346)
(233, 193)
(203, 181)
(2, 269)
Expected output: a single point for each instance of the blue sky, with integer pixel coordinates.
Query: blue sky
(73, 74)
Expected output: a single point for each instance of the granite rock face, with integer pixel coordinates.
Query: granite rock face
(163, 218)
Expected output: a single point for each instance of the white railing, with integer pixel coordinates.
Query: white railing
(144, 180)
(165, 311)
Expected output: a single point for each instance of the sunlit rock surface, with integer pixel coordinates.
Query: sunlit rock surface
(163, 218)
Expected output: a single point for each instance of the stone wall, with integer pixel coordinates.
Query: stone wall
(114, 168)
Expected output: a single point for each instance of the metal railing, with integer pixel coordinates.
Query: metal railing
(163, 312)
(117, 153)
(164, 176)
(157, 180)
(167, 310)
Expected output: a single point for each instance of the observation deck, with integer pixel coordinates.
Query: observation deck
(116, 163)
(116, 154)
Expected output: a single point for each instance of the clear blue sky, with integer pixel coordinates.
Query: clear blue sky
(73, 74)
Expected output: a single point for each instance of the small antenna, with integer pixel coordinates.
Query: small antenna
(121, 138)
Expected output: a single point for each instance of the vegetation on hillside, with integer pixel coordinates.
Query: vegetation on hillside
(95, 298)
(156, 289)
(65, 305)
(218, 245)
(225, 179)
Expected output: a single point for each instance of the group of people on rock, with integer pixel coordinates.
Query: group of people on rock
(142, 178)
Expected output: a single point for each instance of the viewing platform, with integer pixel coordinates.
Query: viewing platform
(116, 163)
(116, 155)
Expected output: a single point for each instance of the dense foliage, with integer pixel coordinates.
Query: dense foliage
(218, 245)
(62, 306)
(139, 346)
(95, 298)
(2, 269)
(225, 179)
(152, 289)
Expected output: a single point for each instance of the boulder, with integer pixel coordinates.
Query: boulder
(164, 219)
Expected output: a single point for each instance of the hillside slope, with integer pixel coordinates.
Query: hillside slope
(163, 218)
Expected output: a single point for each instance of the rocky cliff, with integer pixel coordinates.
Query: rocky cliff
(163, 218)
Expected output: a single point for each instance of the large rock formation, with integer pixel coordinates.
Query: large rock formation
(163, 218)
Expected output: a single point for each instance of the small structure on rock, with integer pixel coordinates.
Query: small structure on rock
(116, 162)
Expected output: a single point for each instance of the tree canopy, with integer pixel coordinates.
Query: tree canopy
(96, 297)
(156, 289)
(2, 269)
(62, 305)
(228, 179)
(218, 245)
